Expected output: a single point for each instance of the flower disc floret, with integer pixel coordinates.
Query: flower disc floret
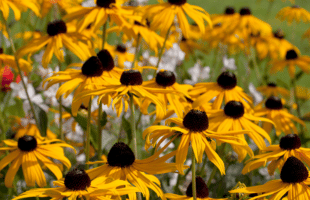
(77, 179)
(105, 3)
(27, 143)
(121, 155)
(274, 103)
(234, 109)
(177, 2)
(165, 78)
(293, 171)
(229, 10)
(1, 51)
(202, 190)
(131, 77)
(227, 80)
(196, 121)
(245, 11)
(56, 27)
(92, 67)
(291, 55)
(106, 60)
(121, 48)
(290, 142)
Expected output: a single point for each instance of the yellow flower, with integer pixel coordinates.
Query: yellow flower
(161, 16)
(17, 6)
(32, 130)
(120, 54)
(302, 92)
(193, 129)
(290, 145)
(77, 185)
(8, 60)
(57, 37)
(271, 89)
(67, 5)
(293, 13)
(28, 151)
(294, 180)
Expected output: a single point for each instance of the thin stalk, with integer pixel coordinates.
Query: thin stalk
(62, 137)
(194, 176)
(136, 51)
(88, 133)
(133, 125)
(104, 32)
(99, 153)
(20, 71)
(163, 47)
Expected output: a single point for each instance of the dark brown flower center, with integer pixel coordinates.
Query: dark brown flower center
(1, 51)
(106, 60)
(290, 141)
(274, 103)
(131, 77)
(272, 84)
(291, 55)
(293, 171)
(227, 80)
(165, 78)
(229, 10)
(245, 11)
(177, 2)
(27, 143)
(92, 67)
(56, 27)
(202, 190)
(295, 6)
(105, 3)
(279, 34)
(234, 109)
(121, 48)
(196, 121)
(77, 180)
(121, 155)
(138, 23)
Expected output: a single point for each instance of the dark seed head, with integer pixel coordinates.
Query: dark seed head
(77, 179)
(290, 141)
(183, 39)
(56, 27)
(234, 109)
(1, 51)
(92, 67)
(291, 54)
(121, 155)
(274, 103)
(138, 23)
(230, 10)
(293, 171)
(106, 60)
(295, 6)
(177, 2)
(272, 84)
(196, 121)
(202, 190)
(245, 11)
(165, 78)
(131, 77)
(227, 80)
(27, 143)
(105, 3)
(279, 34)
(121, 48)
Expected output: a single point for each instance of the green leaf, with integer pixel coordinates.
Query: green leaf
(104, 119)
(127, 127)
(42, 119)
(15, 108)
(298, 76)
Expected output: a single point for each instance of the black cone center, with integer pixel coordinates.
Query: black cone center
(105, 3)
(131, 77)
(279, 34)
(27, 143)
(293, 171)
(196, 121)
(291, 54)
(1, 51)
(77, 180)
(272, 84)
(245, 11)
(229, 10)
(165, 78)
(202, 190)
(106, 60)
(121, 155)
(227, 80)
(56, 27)
(177, 2)
(121, 48)
(290, 141)
(274, 103)
(92, 67)
(234, 109)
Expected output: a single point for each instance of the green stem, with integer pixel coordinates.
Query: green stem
(62, 137)
(99, 132)
(104, 32)
(88, 133)
(136, 51)
(133, 125)
(194, 176)
(163, 47)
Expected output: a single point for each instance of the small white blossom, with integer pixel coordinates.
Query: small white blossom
(228, 64)
(198, 73)
(258, 97)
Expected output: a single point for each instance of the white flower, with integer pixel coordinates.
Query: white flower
(89, 3)
(171, 58)
(229, 63)
(198, 73)
(258, 97)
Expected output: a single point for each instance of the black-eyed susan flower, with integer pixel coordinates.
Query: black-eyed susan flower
(294, 180)
(130, 83)
(292, 59)
(32, 130)
(57, 37)
(294, 13)
(161, 16)
(17, 6)
(225, 88)
(280, 116)
(121, 164)
(66, 5)
(77, 184)
(27, 152)
(121, 55)
(94, 73)
(290, 145)
(228, 20)
(193, 129)
(8, 60)
(234, 118)
(202, 192)
(271, 89)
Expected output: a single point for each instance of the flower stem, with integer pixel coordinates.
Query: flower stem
(87, 145)
(62, 137)
(136, 51)
(133, 125)
(99, 153)
(194, 176)
(104, 32)
(163, 47)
